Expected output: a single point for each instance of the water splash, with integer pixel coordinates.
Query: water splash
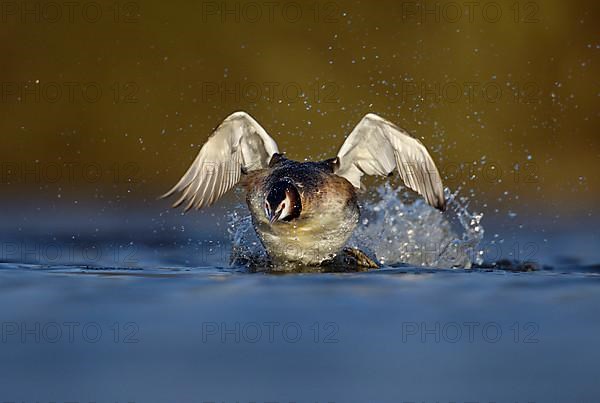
(396, 231)
(392, 230)
(245, 245)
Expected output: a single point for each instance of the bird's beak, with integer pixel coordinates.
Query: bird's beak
(274, 217)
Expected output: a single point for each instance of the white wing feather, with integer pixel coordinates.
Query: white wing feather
(377, 147)
(238, 144)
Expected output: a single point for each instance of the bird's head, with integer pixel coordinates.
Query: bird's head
(282, 202)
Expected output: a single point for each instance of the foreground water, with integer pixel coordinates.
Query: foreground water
(147, 309)
(205, 334)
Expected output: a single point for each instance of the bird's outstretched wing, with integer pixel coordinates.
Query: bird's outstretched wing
(238, 145)
(376, 147)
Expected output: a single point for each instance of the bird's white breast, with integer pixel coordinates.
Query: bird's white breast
(314, 237)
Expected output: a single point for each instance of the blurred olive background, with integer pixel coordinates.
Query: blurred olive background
(108, 102)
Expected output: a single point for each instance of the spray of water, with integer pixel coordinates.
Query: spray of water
(392, 230)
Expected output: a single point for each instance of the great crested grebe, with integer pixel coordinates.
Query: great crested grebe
(304, 212)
